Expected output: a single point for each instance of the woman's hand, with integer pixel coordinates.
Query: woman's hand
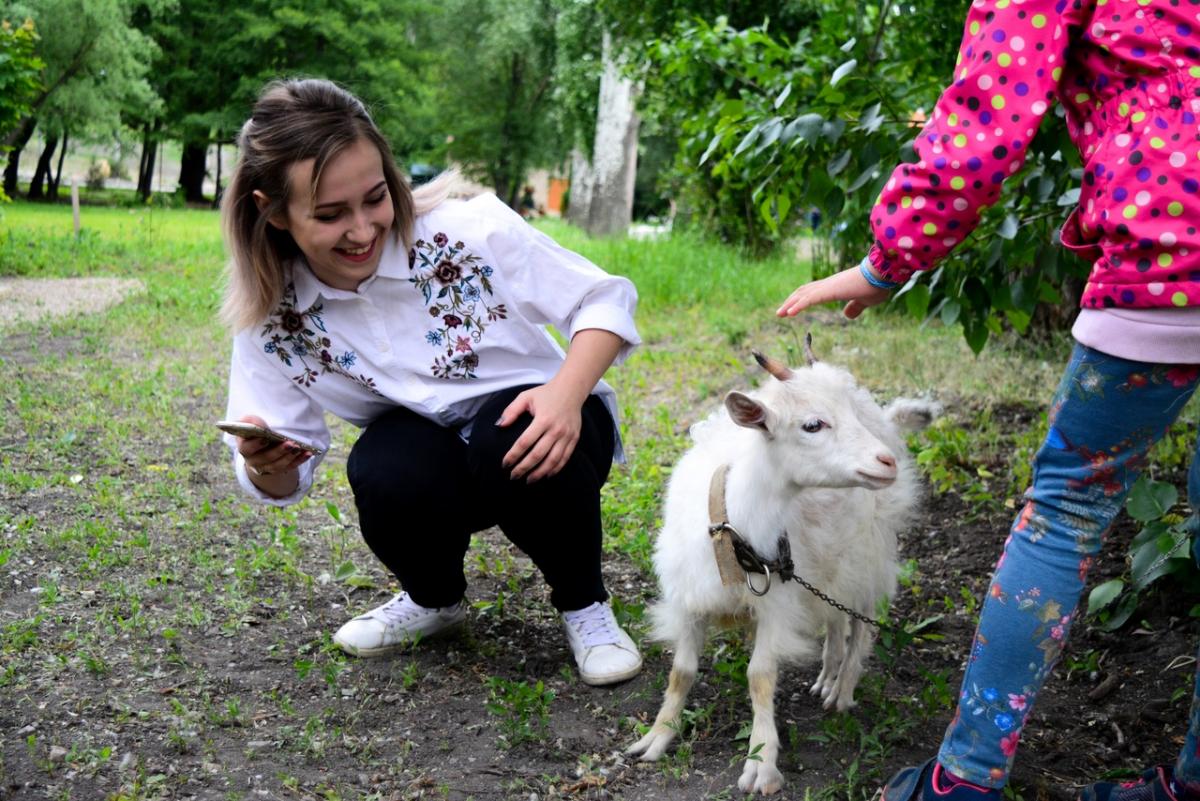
(557, 407)
(545, 447)
(271, 466)
(848, 285)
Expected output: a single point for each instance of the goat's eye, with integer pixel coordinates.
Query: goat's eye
(813, 426)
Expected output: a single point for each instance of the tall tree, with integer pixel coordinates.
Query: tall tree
(20, 70)
(497, 82)
(95, 64)
(602, 187)
(217, 58)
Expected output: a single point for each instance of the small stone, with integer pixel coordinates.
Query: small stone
(57, 753)
(24, 730)
(126, 761)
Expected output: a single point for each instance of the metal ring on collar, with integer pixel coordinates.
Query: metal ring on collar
(750, 584)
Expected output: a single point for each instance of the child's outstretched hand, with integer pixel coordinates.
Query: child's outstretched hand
(848, 285)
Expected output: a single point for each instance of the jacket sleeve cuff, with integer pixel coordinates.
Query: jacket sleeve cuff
(608, 317)
(250, 488)
(887, 269)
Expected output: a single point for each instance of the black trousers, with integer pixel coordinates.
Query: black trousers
(421, 492)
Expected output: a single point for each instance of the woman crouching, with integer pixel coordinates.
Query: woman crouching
(422, 320)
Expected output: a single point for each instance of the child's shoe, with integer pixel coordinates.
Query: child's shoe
(1155, 784)
(930, 782)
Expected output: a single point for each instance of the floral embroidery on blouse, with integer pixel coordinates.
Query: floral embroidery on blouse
(293, 335)
(457, 286)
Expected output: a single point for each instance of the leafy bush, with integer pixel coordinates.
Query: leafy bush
(772, 128)
(1161, 548)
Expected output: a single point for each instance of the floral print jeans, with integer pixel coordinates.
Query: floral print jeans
(1105, 417)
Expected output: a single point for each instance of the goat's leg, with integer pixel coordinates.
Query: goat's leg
(683, 673)
(832, 656)
(842, 694)
(761, 773)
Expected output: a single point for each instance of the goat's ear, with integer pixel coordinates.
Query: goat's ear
(747, 412)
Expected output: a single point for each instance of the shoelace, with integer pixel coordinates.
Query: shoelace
(595, 625)
(400, 609)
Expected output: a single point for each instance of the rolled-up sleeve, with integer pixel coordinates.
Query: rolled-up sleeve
(257, 387)
(552, 285)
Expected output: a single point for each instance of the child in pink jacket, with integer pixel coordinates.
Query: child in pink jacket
(1127, 73)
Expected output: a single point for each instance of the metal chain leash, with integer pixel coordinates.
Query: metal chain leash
(841, 607)
(783, 567)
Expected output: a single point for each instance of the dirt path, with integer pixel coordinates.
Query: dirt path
(25, 299)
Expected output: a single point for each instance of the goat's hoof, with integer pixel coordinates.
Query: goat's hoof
(651, 747)
(759, 777)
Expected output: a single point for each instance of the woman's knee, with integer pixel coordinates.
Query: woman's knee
(402, 455)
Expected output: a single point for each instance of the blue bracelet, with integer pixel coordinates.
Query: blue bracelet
(864, 267)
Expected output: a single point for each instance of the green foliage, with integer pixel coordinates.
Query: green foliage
(20, 70)
(495, 94)
(96, 62)
(1162, 548)
(771, 127)
(522, 711)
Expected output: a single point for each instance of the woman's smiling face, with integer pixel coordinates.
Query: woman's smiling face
(341, 230)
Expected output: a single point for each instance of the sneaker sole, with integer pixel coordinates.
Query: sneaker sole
(605, 679)
(394, 647)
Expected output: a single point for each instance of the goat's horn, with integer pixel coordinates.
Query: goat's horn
(808, 354)
(775, 368)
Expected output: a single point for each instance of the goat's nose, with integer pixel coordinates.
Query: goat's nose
(887, 460)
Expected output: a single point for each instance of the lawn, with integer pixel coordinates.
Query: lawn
(161, 637)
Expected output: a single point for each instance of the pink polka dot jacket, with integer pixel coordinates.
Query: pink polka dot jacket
(1127, 73)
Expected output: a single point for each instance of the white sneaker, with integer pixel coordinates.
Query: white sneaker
(604, 652)
(395, 624)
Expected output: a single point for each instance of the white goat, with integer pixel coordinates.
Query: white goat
(810, 454)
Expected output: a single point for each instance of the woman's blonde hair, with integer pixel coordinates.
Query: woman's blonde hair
(297, 120)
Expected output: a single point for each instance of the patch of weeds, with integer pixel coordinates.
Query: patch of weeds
(729, 663)
(95, 664)
(1087, 663)
(20, 635)
(143, 788)
(410, 676)
(230, 715)
(949, 460)
(521, 710)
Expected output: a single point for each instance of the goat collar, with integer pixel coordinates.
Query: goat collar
(733, 554)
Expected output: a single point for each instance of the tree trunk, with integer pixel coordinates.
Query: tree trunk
(17, 141)
(42, 173)
(57, 179)
(191, 172)
(145, 184)
(217, 192)
(579, 201)
(614, 155)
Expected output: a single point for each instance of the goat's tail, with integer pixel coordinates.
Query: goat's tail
(912, 414)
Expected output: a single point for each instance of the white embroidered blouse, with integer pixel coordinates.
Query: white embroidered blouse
(437, 330)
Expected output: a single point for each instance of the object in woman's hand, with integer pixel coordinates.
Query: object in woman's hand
(251, 431)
